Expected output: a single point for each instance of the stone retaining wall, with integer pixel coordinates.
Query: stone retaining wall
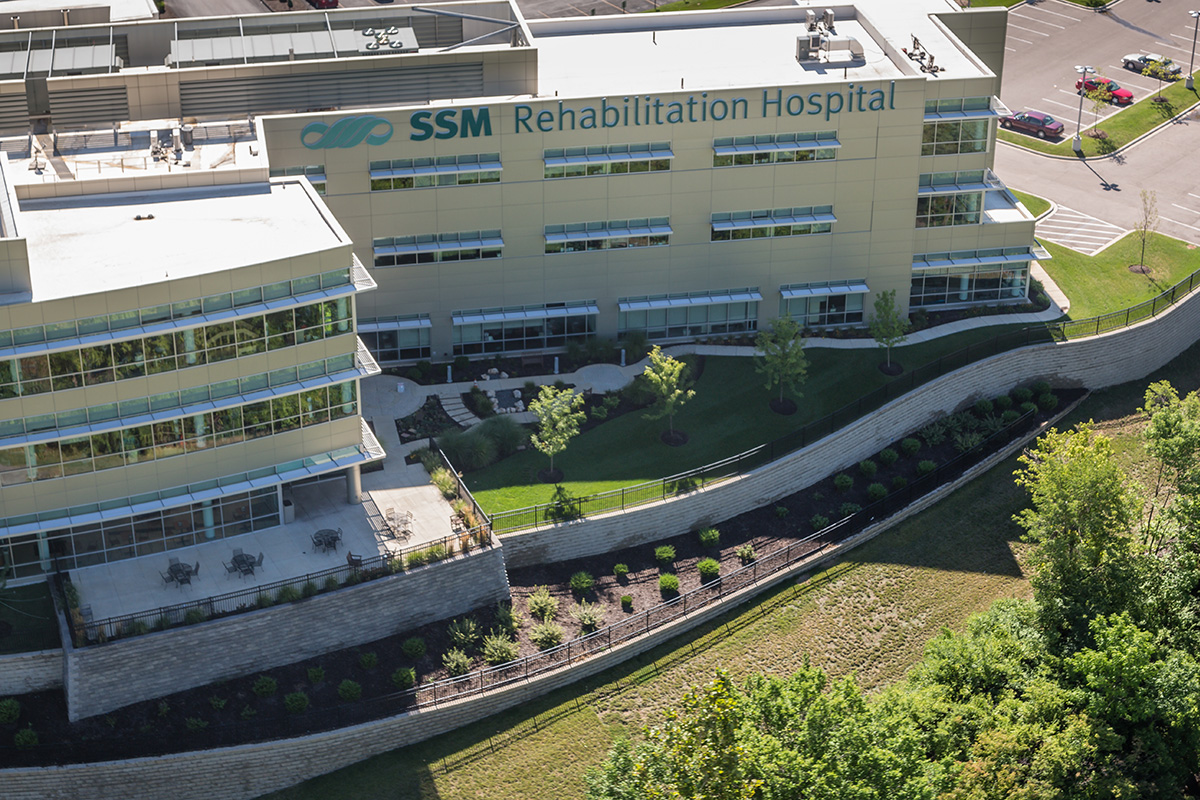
(1117, 357)
(103, 677)
(31, 672)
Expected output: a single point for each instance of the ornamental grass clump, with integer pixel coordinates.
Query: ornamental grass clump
(463, 633)
(456, 662)
(499, 649)
(542, 605)
(746, 554)
(588, 615)
(508, 620)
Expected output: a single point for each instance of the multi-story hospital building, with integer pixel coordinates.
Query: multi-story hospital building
(193, 211)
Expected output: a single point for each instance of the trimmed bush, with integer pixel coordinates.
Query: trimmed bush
(10, 710)
(876, 492)
(1002, 403)
(195, 616)
(463, 633)
(842, 482)
(349, 690)
(910, 446)
(888, 456)
(782, 511)
(665, 555)
(1047, 401)
(265, 686)
(499, 649)
(287, 594)
(710, 569)
(296, 702)
(620, 570)
(404, 678)
(413, 647)
(195, 723)
(546, 635)
(627, 602)
(983, 407)
(508, 620)
(925, 467)
(668, 584)
(899, 482)
(849, 509)
(368, 660)
(1009, 416)
(541, 605)
(25, 739)
(819, 522)
(1029, 407)
(316, 675)
(711, 537)
(588, 615)
(1022, 395)
(582, 582)
(868, 468)
(746, 553)
(1039, 387)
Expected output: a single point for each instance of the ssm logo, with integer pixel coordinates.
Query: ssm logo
(449, 123)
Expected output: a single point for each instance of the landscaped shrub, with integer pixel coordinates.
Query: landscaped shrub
(546, 635)
(217, 703)
(413, 647)
(1029, 408)
(308, 590)
(1010, 416)
(709, 569)
(541, 604)
(1003, 403)
(627, 602)
(842, 482)
(467, 450)
(287, 594)
(868, 468)
(962, 421)
(1022, 395)
(588, 615)
(349, 690)
(463, 633)
(499, 649)
(888, 456)
(967, 440)
(195, 723)
(164, 708)
(819, 522)
(711, 537)
(582, 582)
(248, 712)
(507, 619)
(194, 617)
(876, 492)
(331, 583)
(25, 739)
(1039, 388)
(1047, 401)
(925, 467)
(316, 675)
(505, 433)
(368, 660)
(404, 678)
(746, 553)
(983, 407)
(664, 555)
(296, 702)
(668, 583)
(899, 482)
(620, 570)
(934, 433)
(910, 446)
(782, 511)
(849, 509)
(444, 480)
(265, 686)
(991, 425)
(395, 564)
(10, 710)
(479, 404)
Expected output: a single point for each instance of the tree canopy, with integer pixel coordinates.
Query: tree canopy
(781, 359)
(888, 325)
(668, 380)
(559, 413)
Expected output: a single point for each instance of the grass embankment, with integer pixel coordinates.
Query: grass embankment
(1120, 129)
(1103, 284)
(30, 612)
(1033, 204)
(869, 614)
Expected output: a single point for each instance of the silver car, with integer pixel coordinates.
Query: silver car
(1139, 61)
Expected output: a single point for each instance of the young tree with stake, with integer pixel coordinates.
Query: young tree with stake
(559, 413)
(781, 359)
(667, 377)
(888, 325)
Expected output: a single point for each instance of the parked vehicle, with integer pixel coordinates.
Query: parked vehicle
(1035, 122)
(1139, 61)
(1120, 96)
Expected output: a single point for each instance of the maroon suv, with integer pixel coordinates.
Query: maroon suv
(1035, 122)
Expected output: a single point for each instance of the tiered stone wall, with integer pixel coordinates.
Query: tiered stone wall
(31, 672)
(103, 677)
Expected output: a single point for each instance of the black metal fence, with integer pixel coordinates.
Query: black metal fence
(89, 632)
(279, 724)
(464, 494)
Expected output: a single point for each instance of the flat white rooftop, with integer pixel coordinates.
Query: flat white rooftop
(94, 243)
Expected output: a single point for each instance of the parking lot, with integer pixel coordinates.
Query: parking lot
(1046, 39)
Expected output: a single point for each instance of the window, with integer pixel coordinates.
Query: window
(683, 314)
(430, 248)
(616, 234)
(612, 159)
(421, 173)
(815, 305)
(994, 275)
(775, 148)
(952, 198)
(314, 172)
(400, 338)
(954, 138)
(959, 107)
(531, 327)
(772, 222)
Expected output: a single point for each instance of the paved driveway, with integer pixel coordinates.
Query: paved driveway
(1046, 39)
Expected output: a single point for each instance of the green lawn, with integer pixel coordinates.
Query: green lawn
(1034, 204)
(1121, 128)
(729, 415)
(30, 612)
(1103, 284)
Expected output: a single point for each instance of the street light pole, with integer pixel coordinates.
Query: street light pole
(1083, 71)
(1190, 82)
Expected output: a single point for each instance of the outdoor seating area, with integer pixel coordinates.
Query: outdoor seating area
(180, 573)
(399, 523)
(326, 539)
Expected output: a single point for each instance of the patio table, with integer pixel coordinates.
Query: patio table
(182, 573)
(327, 538)
(244, 562)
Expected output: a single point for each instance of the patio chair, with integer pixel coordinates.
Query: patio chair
(230, 569)
(237, 551)
(196, 570)
(354, 561)
(182, 579)
(315, 543)
(167, 578)
(172, 561)
(258, 563)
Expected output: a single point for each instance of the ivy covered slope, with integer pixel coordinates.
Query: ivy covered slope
(1090, 690)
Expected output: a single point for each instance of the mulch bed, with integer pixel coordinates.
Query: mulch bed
(192, 719)
(428, 420)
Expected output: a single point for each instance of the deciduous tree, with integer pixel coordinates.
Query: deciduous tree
(668, 378)
(888, 325)
(781, 357)
(559, 413)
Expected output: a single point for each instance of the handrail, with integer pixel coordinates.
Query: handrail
(627, 497)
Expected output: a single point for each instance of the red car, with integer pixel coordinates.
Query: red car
(1035, 122)
(1121, 97)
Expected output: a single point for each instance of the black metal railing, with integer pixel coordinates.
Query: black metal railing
(279, 724)
(463, 493)
(86, 632)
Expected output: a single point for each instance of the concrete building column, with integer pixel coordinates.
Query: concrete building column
(354, 485)
(210, 523)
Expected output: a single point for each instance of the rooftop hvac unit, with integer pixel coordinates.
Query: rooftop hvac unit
(810, 19)
(808, 48)
(827, 18)
(833, 44)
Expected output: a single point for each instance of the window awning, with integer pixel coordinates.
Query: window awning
(393, 325)
(436, 169)
(767, 222)
(857, 287)
(771, 147)
(995, 109)
(532, 313)
(610, 233)
(430, 247)
(1036, 253)
(705, 300)
(604, 158)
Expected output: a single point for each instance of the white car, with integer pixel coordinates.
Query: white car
(1139, 61)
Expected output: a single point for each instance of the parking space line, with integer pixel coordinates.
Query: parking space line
(1177, 222)
(1055, 102)
(1173, 47)
(1011, 49)
(1197, 196)
(1185, 208)
(1055, 13)
(1030, 30)
(1035, 19)
(1015, 39)
(1185, 38)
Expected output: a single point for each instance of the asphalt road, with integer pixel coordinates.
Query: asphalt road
(1047, 38)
